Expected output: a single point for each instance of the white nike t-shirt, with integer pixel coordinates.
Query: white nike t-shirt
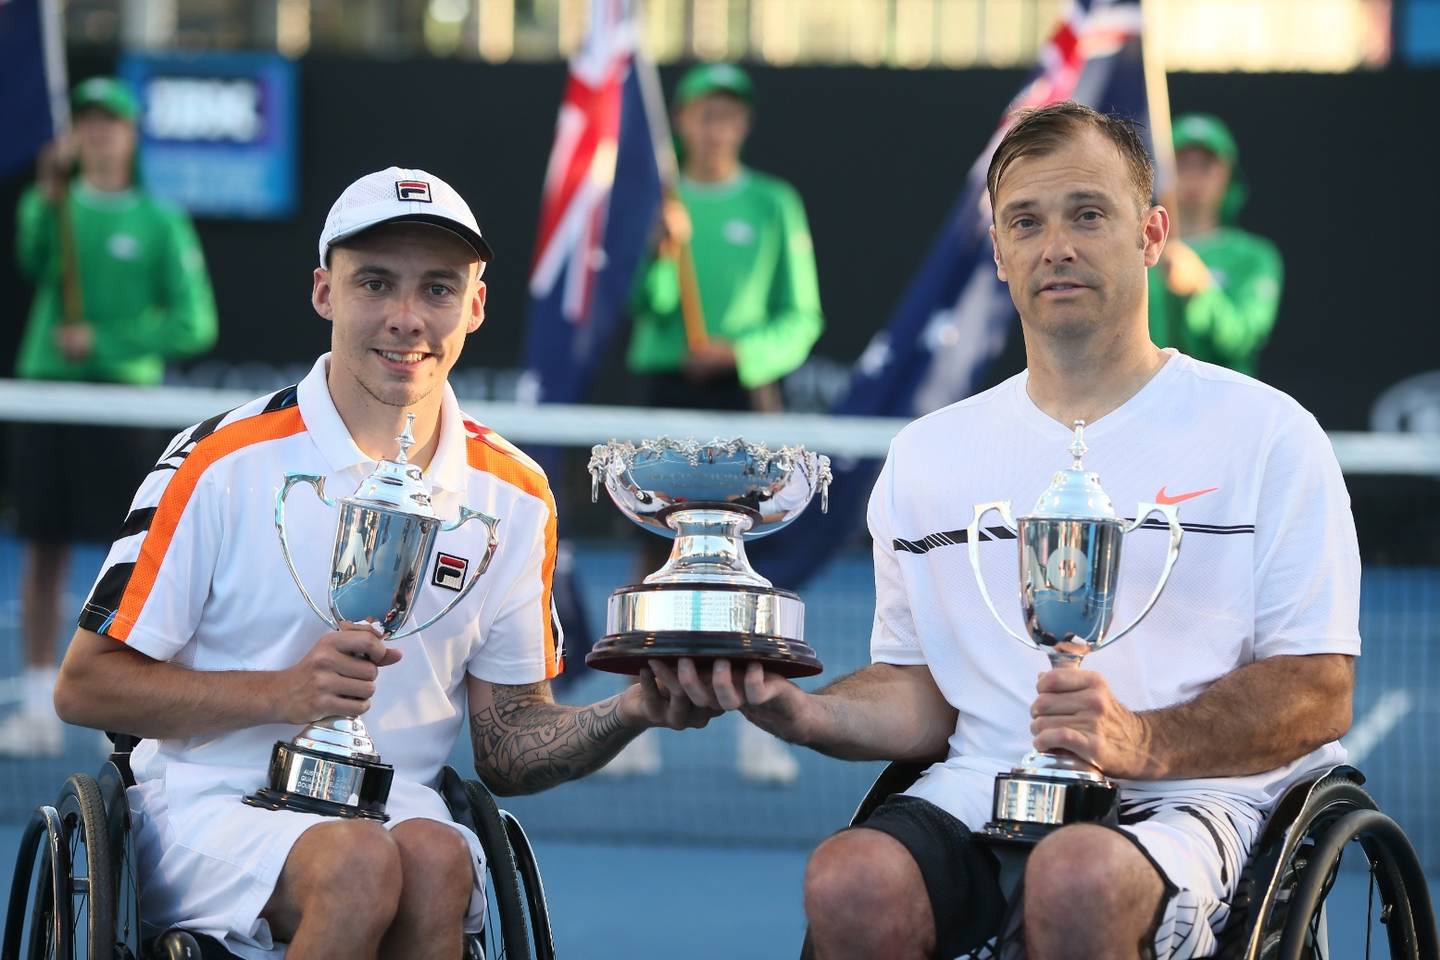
(1269, 563)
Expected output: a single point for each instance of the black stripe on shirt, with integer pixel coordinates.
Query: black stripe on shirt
(283, 398)
(105, 598)
(956, 537)
(949, 538)
(138, 521)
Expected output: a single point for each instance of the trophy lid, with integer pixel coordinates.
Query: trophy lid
(1074, 494)
(397, 484)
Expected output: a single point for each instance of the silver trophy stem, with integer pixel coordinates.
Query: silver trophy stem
(709, 546)
(1065, 655)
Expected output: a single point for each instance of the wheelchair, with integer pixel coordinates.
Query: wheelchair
(1279, 912)
(76, 872)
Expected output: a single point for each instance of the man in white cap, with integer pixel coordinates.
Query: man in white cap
(195, 638)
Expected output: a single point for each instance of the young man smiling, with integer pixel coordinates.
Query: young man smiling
(1236, 684)
(195, 638)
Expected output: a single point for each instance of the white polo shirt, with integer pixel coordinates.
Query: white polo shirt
(1269, 563)
(197, 578)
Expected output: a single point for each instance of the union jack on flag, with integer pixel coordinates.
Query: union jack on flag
(601, 195)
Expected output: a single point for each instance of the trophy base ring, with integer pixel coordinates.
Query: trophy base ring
(627, 653)
(1029, 806)
(313, 781)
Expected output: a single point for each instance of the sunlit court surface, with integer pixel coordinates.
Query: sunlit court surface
(823, 294)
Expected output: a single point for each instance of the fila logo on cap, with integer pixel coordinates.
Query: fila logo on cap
(413, 190)
(450, 571)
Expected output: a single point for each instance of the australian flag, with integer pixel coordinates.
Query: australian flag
(601, 197)
(33, 107)
(956, 315)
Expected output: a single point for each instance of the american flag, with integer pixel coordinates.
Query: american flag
(601, 196)
(956, 315)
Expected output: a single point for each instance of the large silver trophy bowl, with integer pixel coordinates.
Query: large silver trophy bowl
(1069, 564)
(383, 541)
(707, 602)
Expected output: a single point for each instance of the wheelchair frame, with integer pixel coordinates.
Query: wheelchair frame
(89, 826)
(1279, 909)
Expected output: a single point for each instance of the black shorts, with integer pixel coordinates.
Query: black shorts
(75, 483)
(961, 876)
(677, 391)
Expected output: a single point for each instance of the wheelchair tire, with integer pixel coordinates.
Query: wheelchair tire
(92, 893)
(111, 780)
(540, 934)
(507, 909)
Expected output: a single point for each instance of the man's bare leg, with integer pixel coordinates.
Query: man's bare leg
(438, 877)
(41, 581)
(339, 892)
(865, 898)
(1089, 893)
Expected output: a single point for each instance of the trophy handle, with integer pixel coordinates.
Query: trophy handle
(466, 515)
(1176, 532)
(973, 540)
(318, 483)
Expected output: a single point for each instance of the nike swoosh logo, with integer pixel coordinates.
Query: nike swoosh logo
(1165, 499)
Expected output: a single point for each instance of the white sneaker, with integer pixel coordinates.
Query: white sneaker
(31, 734)
(640, 758)
(762, 758)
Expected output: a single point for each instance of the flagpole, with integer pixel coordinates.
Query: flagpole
(692, 312)
(1157, 97)
(52, 27)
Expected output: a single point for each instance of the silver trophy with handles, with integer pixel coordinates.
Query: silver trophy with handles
(707, 602)
(1069, 563)
(383, 542)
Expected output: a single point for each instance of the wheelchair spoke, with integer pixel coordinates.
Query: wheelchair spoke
(1369, 910)
(495, 944)
(79, 882)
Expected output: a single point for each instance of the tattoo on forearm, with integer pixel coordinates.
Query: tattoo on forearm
(524, 741)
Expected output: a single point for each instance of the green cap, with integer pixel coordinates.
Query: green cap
(710, 78)
(1207, 132)
(107, 93)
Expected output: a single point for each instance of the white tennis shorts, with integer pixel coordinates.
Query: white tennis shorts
(212, 865)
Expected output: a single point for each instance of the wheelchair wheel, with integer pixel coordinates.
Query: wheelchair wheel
(91, 881)
(1288, 883)
(535, 902)
(507, 928)
(122, 861)
(72, 910)
(49, 929)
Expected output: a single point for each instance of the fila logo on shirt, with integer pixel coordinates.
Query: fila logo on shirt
(450, 571)
(418, 190)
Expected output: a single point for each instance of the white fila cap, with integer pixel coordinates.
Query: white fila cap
(405, 196)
